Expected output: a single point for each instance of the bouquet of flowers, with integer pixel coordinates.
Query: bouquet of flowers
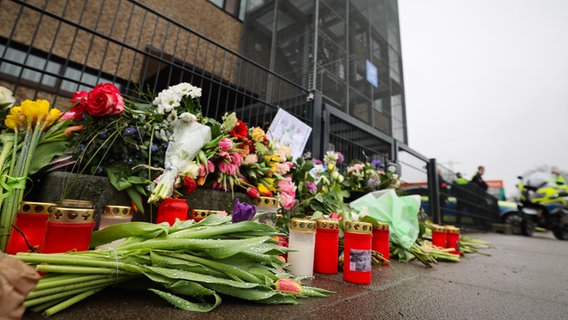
(320, 185)
(33, 135)
(239, 157)
(365, 177)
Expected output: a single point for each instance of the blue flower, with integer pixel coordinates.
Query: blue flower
(243, 211)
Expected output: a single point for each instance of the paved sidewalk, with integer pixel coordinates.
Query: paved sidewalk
(525, 278)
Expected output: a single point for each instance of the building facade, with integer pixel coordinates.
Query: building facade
(334, 64)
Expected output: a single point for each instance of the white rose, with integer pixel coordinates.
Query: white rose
(6, 97)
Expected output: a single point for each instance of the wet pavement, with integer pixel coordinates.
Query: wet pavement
(524, 278)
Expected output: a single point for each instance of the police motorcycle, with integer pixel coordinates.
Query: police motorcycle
(543, 204)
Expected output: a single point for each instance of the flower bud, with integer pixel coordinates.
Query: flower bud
(253, 192)
(289, 286)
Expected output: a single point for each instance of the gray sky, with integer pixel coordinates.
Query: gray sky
(486, 82)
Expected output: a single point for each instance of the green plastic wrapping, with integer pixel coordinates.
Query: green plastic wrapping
(401, 213)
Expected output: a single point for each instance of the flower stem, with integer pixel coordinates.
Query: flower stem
(69, 302)
(80, 269)
(44, 299)
(62, 288)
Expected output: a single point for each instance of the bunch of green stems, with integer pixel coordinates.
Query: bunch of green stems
(189, 264)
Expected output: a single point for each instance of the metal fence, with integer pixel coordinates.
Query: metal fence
(50, 49)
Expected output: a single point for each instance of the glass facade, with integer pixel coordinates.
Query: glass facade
(352, 54)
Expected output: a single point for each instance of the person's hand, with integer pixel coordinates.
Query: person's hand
(17, 279)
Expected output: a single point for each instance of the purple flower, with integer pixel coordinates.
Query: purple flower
(311, 186)
(317, 161)
(340, 157)
(377, 163)
(243, 211)
(128, 131)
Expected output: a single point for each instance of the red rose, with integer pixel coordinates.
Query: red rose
(104, 100)
(79, 101)
(240, 131)
(190, 184)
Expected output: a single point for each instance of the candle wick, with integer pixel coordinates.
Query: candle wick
(30, 247)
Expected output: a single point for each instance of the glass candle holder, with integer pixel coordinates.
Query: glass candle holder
(357, 245)
(77, 203)
(268, 206)
(302, 239)
(327, 246)
(113, 214)
(200, 214)
(439, 236)
(453, 239)
(171, 209)
(68, 229)
(30, 224)
(381, 240)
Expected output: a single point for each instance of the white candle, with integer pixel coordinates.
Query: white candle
(301, 261)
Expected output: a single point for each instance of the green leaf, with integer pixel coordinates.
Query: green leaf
(125, 230)
(188, 305)
(136, 198)
(44, 153)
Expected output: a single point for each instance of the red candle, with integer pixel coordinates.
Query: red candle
(68, 229)
(381, 240)
(171, 209)
(357, 252)
(31, 221)
(453, 239)
(327, 246)
(439, 236)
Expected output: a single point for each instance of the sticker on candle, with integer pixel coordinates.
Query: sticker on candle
(360, 260)
(289, 130)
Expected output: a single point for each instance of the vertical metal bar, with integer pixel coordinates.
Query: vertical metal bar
(316, 31)
(111, 31)
(394, 151)
(433, 191)
(317, 105)
(143, 73)
(325, 133)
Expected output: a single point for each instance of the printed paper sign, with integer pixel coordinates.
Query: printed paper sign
(289, 130)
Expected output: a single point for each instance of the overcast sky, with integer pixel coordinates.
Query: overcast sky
(486, 82)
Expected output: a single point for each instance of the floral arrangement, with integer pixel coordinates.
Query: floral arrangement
(125, 141)
(364, 177)
(33, 134)
(167, 148)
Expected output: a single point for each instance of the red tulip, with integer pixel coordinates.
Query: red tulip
(289, 286)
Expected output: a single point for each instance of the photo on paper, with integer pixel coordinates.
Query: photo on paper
(360, 260)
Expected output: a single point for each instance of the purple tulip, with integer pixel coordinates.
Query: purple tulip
(243, 211)
(377, 163)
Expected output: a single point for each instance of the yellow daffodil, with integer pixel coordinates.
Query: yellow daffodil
(32, 113)
(13, 119)
(51, 117)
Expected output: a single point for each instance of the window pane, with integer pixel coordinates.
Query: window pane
(218, 3)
